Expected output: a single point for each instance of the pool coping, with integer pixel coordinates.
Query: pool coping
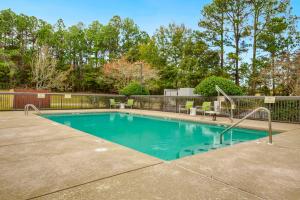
(279, 127)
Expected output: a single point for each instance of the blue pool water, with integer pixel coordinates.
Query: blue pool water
(163, 138)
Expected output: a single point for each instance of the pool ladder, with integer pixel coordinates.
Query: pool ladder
(27, 106)
(248, 115)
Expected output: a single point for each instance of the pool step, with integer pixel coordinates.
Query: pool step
(204, 148)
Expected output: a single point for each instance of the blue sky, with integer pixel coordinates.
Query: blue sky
(148, 14)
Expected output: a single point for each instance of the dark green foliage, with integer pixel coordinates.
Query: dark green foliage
(185, 57)
(207, 86)
(80, 49)
(134, 88)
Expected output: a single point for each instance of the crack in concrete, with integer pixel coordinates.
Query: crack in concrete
(92, 181)
(212, 178)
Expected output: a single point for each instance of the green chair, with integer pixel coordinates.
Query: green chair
(113, 103)
(188, 105)
(206, 106)
(129, 103)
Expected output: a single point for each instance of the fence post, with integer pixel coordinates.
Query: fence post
(61, 102)
(176, 103)
(163, 104)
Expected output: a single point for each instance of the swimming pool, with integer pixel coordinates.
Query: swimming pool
(166, 139)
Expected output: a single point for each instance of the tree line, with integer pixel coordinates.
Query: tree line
(253, 42)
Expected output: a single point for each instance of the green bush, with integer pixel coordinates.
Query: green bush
(134, 88)
(207, 86)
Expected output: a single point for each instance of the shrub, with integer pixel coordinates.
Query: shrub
(134, 88)
(207, 86)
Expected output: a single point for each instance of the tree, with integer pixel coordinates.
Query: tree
(7, 25)
(121, 72)
(130, 35)
(77, 46)
(213, 21)
(198, 61)
(261, 13)
(134, 88)
(112, 38)
(95, 42)
(185, 56)
(273, 41)
(289, 82)
(170, 41)
(7, 68)
(149, 53)
(207, 86)
(59, 45)
(44, 72)
(237, 13)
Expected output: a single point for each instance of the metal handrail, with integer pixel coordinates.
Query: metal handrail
(232, 104)
(248, 115)
(27, 106)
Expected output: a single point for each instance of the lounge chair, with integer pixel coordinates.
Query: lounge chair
(216, 111)
(129, 103)
(113, 103)
(188, 105)
(206, 106)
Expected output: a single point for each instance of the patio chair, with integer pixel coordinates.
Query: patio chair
(113, 103)
(188, 105)
(206, 106)
(216, 111)
(129, 103)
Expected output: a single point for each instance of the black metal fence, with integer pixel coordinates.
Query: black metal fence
(55, 101)
(285, 109)
(166, 103)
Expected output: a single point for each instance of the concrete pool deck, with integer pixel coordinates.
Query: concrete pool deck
(41, 159)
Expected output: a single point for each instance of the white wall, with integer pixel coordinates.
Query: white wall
(180, 92)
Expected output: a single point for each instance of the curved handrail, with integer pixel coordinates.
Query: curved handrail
(248, 115)
(232, 104)
(27, 106)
